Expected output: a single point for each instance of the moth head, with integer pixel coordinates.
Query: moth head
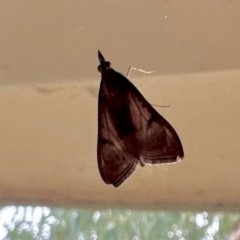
(103, 66)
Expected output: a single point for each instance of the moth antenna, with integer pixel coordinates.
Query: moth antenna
(100, 57)
(139, 70)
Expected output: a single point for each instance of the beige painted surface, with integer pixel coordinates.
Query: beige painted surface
(48, 99)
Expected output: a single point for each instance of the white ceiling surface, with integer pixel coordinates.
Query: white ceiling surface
(46, 41)
(48, 97)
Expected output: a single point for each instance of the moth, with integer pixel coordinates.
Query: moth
(130, 130)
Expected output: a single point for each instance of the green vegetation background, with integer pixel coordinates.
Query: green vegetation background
(41, 223)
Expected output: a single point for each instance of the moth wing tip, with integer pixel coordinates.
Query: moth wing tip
(179, 158)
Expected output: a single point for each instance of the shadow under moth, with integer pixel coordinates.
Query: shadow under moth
(130, 130)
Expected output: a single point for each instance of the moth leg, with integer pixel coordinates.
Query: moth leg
(138, 69)
(146, 72)
(156, 105)
(141, 162)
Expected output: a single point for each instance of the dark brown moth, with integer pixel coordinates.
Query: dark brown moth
(130, 130)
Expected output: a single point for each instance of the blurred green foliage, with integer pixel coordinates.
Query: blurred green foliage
(41, 223)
